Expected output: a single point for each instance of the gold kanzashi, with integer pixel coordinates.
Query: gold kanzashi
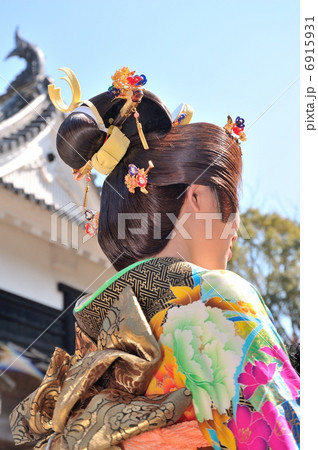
(120, 80)
(56, 99)
(55, 93)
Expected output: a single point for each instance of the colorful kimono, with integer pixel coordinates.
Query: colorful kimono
(168, 355)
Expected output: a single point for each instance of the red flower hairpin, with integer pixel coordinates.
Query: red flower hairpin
(137, 178)
(236, 129)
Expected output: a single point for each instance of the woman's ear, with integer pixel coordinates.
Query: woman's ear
(193, 197)
(201, 199)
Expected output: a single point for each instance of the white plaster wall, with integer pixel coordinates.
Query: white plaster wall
(25, 267)
(32, 264)
(32, 268)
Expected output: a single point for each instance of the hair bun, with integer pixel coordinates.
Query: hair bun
(82, 133)
(153, 113)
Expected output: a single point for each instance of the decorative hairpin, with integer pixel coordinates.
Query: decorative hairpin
(236, 129)
(182, 115)
(91, 218)
(128, 85)
(91, 225)
(137, 178)
(125, 80)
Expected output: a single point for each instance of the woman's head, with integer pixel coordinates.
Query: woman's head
(136, 226)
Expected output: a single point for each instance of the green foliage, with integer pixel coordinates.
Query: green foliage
(270, 261)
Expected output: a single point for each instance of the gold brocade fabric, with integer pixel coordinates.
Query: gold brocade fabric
(151, 282)
(94, 399)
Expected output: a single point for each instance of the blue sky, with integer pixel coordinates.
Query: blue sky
(234, 57)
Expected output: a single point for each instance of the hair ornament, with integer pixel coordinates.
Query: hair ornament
(235, 129)
(91, 226)
(124, 81)
(108, 156)
(55, 93)
(140, 132)
(182, 115)
(79, 174)
(56, 99)
(104, 161)
(127, 85)
(91, 218)
(111, 152)
(137, 178)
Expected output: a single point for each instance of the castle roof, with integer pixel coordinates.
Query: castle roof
(29, 164)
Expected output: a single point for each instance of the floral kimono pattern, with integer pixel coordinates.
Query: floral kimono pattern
(166, 345)
(219, 341)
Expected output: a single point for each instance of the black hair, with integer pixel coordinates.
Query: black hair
(199, 153)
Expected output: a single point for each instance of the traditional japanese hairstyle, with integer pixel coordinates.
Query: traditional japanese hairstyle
(108, 120)
(169, 151)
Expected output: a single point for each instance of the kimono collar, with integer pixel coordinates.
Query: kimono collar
(150, 281)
